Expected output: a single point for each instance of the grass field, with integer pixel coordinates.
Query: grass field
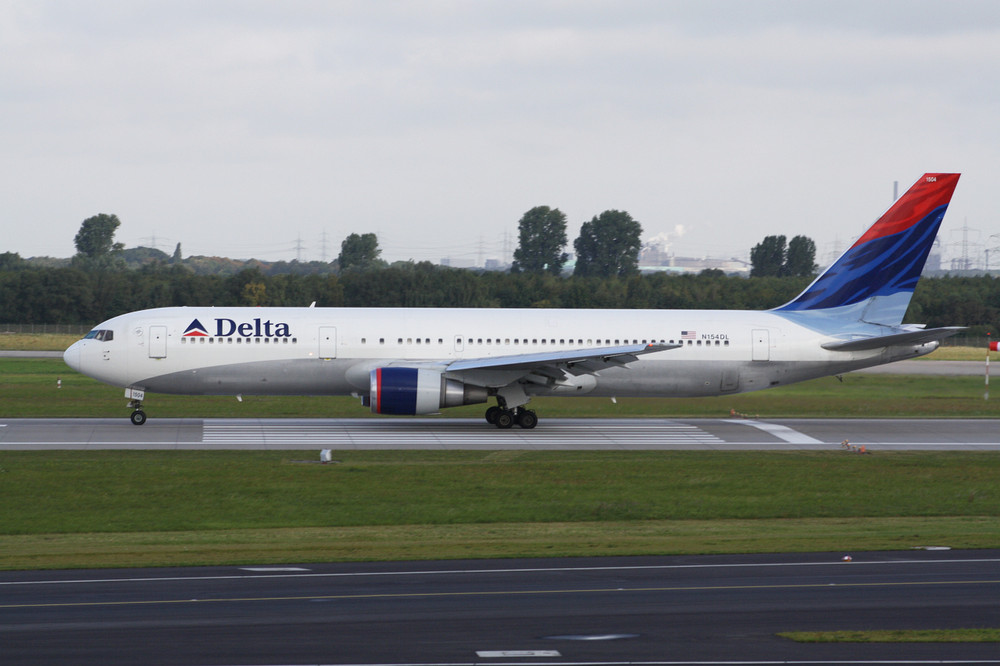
(99, 509)
(146, 508)
(28, 389)
(896, 636)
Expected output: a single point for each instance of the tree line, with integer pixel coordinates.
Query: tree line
(74, 295)
(98, 284)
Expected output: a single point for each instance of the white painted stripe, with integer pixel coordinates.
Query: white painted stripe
(499, 654)
(449, 572)
(880, 662)
(335, 433)
(780, 431)
(270, 569)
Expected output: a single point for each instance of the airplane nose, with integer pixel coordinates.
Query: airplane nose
(72, 356)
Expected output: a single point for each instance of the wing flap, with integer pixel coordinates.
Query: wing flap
(881, 341)
(553, 366)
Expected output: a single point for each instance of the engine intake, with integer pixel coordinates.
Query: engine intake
(419, 391)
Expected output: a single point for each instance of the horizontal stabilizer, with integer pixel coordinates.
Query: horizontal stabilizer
(880, 341)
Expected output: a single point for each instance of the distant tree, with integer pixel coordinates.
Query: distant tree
(176, 257)
(359, 252)
(608, 245)
(800, 260)
(137, 257)
(95, 242)
(772, 258)
(96, 237)
(10, 261)
(541, 238)
(767, 258)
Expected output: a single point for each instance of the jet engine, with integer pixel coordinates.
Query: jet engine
(419, 391)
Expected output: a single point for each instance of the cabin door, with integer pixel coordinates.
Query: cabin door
(761, 345)
(328, 342)
(157, 342)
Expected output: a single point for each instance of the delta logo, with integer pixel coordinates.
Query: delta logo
(224, 328)
(195, 330)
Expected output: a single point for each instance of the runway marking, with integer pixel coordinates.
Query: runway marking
(272, 569)
(497, 654)
(345, 435)
(499, 593)
(446, 572)
(813, 662)
(782, 432)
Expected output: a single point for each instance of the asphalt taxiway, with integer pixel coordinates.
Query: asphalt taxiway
(651, 610)
(551, 434)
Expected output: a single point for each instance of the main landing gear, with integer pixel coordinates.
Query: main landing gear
(504, 418)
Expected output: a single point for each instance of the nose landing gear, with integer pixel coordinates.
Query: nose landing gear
(138, 416)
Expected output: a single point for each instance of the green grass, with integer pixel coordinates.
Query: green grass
(28, 389)
(148, 508)
(112, 508)
(897, 636)
(36, 341)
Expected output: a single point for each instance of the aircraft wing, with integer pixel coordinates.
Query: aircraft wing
(550, 367)
(908, 338)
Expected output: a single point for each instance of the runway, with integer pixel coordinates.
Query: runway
(654, 610)
(551, 434)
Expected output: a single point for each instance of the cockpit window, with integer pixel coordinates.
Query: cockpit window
(100, 334)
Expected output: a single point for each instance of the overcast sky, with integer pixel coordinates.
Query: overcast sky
(238, 128)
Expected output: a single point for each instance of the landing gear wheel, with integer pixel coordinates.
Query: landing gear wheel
(138, 417)
(505, 419)
(527, 419)
(492, 413)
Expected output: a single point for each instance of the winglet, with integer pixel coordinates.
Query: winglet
(874, 279)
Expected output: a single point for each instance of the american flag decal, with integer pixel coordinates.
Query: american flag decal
(688, 335)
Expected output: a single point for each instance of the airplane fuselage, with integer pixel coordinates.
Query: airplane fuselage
(331, 351)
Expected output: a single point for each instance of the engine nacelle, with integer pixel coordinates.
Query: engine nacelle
(419, 391)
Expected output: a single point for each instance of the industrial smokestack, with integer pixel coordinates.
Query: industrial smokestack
(895, 190)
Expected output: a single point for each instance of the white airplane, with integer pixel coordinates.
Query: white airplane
(418, 361)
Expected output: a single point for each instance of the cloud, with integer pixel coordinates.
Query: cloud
(235, 126)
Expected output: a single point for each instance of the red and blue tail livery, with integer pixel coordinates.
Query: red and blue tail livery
(877, 275)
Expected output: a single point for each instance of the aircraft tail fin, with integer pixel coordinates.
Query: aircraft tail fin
(874, 279)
